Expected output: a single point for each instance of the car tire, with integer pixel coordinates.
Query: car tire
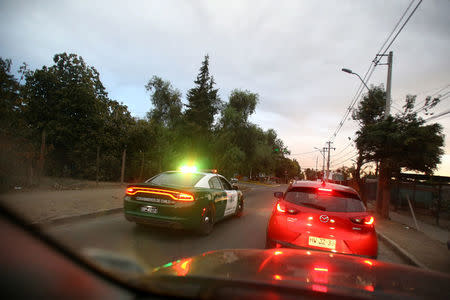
(240, 208)
(207, 222)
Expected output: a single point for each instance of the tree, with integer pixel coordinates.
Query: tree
(166, 102)
(203, 105)
(400, 141)
(204, 102)
(67, 107)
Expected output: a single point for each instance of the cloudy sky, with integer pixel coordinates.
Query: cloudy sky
(289, 52)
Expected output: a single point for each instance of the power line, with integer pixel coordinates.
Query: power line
(338, 157)
(351, 142)
(303, 153)
(345, 157)
(401, 28)
(359, 91)
(438, 115)
(396, 25)
(338, 163)
(441, 97)
(374, 64)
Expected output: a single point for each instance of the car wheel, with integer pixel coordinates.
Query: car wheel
(240, 208)
(207, 222)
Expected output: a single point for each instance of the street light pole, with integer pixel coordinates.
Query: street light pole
(351, 72)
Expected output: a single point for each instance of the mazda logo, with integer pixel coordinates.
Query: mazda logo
(324, 218)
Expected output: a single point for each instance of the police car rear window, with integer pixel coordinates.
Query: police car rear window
(176, 179)
(335, 201)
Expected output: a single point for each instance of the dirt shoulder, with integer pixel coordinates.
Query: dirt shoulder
(45, 206)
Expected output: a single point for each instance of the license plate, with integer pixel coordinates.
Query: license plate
(321, 242)
(149, 209)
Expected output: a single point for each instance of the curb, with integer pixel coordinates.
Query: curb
(401, 252)
(69, 219)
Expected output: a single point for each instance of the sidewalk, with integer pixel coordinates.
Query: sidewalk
(426, 248)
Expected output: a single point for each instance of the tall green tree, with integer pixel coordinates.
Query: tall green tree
(165, 119)
(401, 141)
(203, 100)
(203, 104)
(67, 105)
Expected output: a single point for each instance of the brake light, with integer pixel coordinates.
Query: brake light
(366, 220)
(178, 196)
(281, 208)
(370, 221)
(325, 190)
(185, 197)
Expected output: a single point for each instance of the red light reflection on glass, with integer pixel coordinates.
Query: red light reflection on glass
(319, 288)
(277, 277)
(369, 288)
(321, 269)
(368, 262)
(183, 267)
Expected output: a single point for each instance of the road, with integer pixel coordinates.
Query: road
(153, 247)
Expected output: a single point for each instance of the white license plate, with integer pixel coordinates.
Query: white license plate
(321, 242)
(149, 209)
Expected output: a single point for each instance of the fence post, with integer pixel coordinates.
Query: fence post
(412, 212)
(97, 164)
(438, 208)
(122, 173)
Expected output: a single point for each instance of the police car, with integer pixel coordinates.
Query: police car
(183, 199)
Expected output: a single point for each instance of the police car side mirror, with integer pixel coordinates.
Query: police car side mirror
(235, 187)
(278, 195)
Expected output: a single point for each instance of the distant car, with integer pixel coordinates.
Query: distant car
(322, 216)
(180, 199)
(234, 180)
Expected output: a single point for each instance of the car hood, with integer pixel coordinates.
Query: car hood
(307, 271)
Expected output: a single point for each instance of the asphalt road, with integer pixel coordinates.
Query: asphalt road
(153, 247)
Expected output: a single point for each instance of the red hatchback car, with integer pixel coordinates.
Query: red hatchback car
(322, 216)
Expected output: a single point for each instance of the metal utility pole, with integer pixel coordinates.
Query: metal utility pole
(323, 162)
(317, 158)
(322, 152)
(328, 162)
(387, 111)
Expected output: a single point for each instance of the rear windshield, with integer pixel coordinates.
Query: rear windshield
(334, 201)
(176, 179)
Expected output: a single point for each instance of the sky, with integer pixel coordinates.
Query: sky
(289, 52)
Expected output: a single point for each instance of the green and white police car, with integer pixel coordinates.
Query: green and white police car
(183, 199)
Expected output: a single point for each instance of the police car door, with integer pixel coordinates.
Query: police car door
(232, 197)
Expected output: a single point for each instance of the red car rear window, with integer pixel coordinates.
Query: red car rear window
(334, 201)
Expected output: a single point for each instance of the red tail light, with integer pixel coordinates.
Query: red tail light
(281, 208)
(178, 196)
(366, 220)
(325, 190)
